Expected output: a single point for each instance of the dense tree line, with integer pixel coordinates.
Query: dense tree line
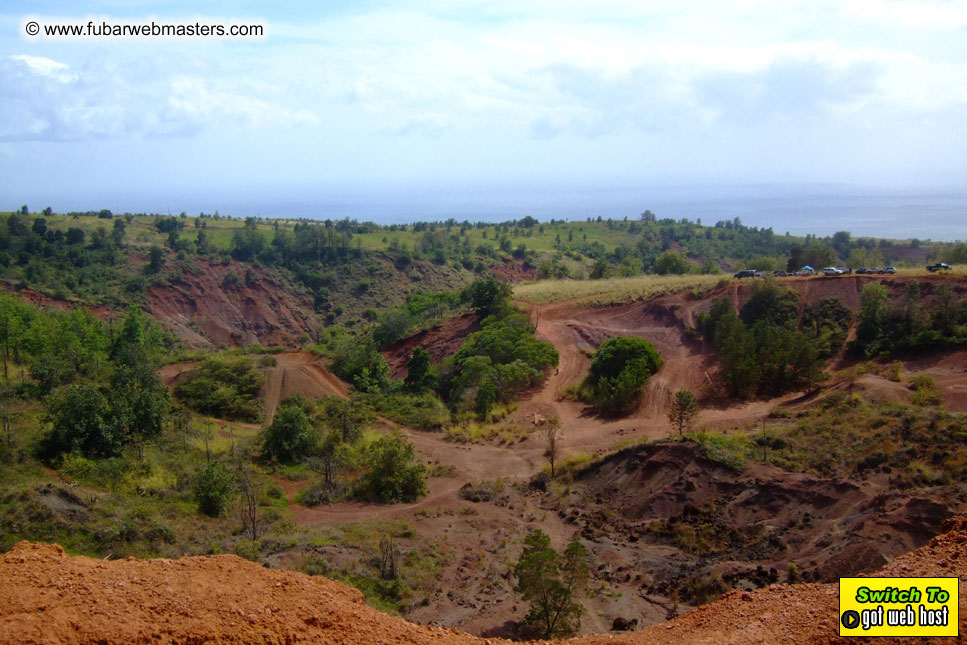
(765, 350)
(890, 325)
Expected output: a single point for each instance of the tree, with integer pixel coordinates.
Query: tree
(393, 474)
(672, 262)
(81, 421)
(487, 296)
(290, 435)
(419, 377)
(684, 410)
(214, 485)
(550, 581)
(155, 259)
(771, 302)
(552, 440)
(618, 370)
(873, 310)
(345, 417)
(250, 490)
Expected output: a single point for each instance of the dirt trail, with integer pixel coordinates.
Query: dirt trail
(46, 596)
(294, 372)
(299, 373)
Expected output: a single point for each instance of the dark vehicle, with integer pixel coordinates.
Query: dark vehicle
(939, 266)
(747, 273)
(780, 274)
(875, 270)
(861, 270)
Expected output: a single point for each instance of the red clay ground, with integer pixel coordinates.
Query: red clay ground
(47, 597)
(475, 594)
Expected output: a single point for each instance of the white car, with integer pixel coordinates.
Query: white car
(832, 271)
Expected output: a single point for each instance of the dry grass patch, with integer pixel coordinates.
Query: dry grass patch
(612, 290)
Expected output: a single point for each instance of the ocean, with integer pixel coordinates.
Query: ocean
(821, 210)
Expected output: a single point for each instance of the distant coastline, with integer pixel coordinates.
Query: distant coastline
(819, 210)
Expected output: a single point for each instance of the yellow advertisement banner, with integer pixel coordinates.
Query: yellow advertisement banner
(898, 607)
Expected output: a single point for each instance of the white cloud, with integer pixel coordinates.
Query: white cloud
(46, 67)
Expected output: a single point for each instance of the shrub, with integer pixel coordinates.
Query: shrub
(81, 421)
(393, 474)
(213, 487)
(290, 436)
(223, 388)
(248, 549)
(267, 361)
(620, 367)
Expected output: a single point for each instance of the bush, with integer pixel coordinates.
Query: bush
(267, 361)
(81, 422)
(672, 262)
(290, 436)
(494, 364)
(393, 474)
(223, 388)
(620, 367)
(213, 486)
(358, 361)
(248, 549)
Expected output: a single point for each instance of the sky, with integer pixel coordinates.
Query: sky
(443, 93)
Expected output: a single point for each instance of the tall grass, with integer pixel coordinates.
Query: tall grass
(612, 290)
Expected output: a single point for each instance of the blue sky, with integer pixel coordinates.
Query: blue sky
(436, 93)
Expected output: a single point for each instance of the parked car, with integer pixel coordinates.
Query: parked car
(747, 273)
(832, 271)
(861, 270)
(890, 270)
(875, 270)
(939, 266)
(780, 274)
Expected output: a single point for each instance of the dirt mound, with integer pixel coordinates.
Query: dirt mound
(232, 304)
(294, 373)
(46, 596)
(668, 493)
(299, 373)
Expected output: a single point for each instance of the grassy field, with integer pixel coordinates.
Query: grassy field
(612, 290)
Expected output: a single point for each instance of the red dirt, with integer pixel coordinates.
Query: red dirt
(46, 596)
(208, 308)
(440, 341)
(44, 301)
(299, 373)
(294, 373)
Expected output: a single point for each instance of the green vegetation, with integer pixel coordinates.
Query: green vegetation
(227, 388)
(619, 369)
(393, 474)
(762, 352)
(890, 326)
(213, 487)
(290, 436)
(847, 436)
(495, 364)
(613, 290)
(683, 410)
(550, 581)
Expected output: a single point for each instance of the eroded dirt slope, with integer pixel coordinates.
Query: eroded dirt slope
(48, 597)
(231, 304)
